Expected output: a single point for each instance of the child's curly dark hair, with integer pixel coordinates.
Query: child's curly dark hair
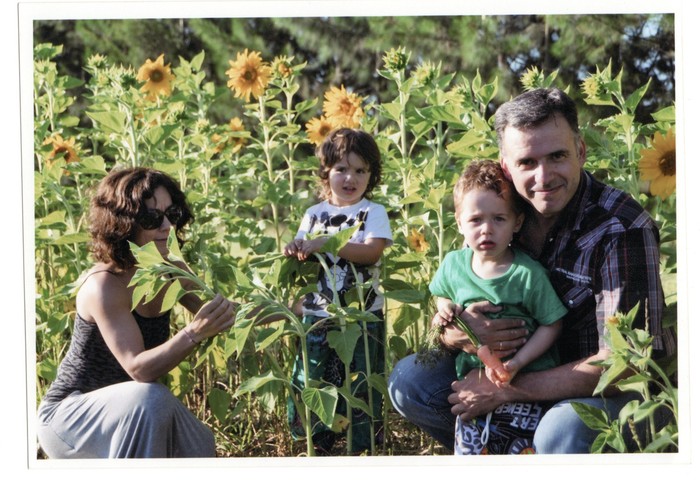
(337, 145)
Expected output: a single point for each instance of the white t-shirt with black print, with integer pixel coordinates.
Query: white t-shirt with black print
(325, 218)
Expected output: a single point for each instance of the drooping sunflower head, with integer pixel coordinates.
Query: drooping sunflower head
(65, 149)
(157, 77)
(343, 109)
(230, 138)
(658, 164)
(417, 241)
(248, 75)
(236, 125)
(318, 129)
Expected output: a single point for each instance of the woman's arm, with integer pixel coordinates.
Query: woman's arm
(105, 300)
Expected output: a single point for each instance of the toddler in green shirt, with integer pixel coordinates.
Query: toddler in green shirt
(488, 268)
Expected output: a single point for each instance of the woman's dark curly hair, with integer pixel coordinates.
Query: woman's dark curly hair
(342, 142)
(118, 201)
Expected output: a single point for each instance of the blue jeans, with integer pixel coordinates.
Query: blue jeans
(419, 394)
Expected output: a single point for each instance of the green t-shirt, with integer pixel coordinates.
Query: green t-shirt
(524, 292)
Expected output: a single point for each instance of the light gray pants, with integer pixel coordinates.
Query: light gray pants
(126, 420)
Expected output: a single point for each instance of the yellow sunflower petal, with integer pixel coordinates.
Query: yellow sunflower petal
(318, 129)
(157, 76)
(248, 75)
(342, 108)
(658, 164)
(416, 240)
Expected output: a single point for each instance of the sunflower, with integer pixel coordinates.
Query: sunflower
(248, 75)
(282, 67)
(417, 241)
(532, 78)
(157, 77)
(396, 60)
(426, 73)
(236, 124)
(658, 164)
(318, 129)
(61, 148)
(342, 109)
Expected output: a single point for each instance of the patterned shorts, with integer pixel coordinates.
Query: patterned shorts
(508, 430)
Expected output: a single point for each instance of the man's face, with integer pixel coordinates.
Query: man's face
(544, 164)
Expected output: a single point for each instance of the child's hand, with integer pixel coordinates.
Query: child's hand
(500, 379)
(292, 248)
(302, 249)
(446, 311)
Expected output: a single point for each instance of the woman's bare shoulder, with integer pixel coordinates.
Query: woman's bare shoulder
(102, 287)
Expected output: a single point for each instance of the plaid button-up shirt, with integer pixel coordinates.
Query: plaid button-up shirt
(603, 258)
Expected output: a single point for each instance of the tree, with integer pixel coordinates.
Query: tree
(349, 50)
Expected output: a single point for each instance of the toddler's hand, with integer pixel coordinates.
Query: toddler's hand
(503, 380)
(293, 247)
(307, 248)
(500, 380)
(446, 311)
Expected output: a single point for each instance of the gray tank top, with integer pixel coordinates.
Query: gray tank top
(89, 364)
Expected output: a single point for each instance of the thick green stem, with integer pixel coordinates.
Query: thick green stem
(270, 172)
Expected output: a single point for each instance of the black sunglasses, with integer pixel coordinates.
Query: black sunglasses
(153, 218)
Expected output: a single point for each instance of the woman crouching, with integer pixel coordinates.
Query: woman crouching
(105, 401)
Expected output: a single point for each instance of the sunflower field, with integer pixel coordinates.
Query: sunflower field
(249, 181)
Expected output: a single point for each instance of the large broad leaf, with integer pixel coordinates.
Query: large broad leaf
(254, 383)
(242, 326)
(355, 402)
(618, 366)
(467, 144)
(219, 401)
(76, 237)
(344, 342)
(172, 296)
(378, 382)
(405, 296)
(593, 417)
(174, 253)
(337, 241)
(146, 255)
(268, 336)
(322, 402)
(109, 121)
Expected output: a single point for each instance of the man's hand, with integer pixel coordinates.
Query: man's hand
(503, 336)
(475, 395)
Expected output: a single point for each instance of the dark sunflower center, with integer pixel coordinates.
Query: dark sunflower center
(63, 152)
(249, 75)
(667, 164)
(157, 76)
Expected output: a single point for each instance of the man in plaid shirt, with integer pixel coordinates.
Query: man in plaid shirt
(602, 250)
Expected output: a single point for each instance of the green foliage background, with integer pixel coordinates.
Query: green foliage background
(248, 201)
